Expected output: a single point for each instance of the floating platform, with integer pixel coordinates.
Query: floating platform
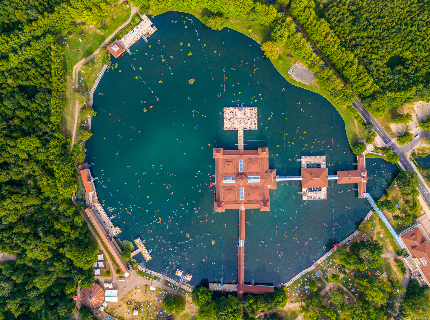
(240, 119)
(141, 248)
(313, 162)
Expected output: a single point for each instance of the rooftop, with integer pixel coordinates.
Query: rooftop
(314, 177)
(243, 178)
(116, 48)
(417, 244)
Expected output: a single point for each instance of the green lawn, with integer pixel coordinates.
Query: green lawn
(86, 39)
(79, 45)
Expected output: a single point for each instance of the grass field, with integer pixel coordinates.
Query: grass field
(81, 44)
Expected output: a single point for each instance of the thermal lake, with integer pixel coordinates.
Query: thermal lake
(152, 154)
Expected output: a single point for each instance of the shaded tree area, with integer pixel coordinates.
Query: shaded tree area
(375, 297)
(407, 182)
(230, 307)
(174, 304)
(38, 221)
(390, 39)
(416, 303)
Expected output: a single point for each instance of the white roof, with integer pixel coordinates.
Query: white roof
(111, 293)
(95, 265)
(111, 299)
(108, 285)
(135, 312)
(152, 288)
(97, 272)
(101, 264)
(115, 47)
(100, 257)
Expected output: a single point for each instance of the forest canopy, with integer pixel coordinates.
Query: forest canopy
(391, 40)
(39, 223)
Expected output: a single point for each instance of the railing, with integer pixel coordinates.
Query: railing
(384, 220)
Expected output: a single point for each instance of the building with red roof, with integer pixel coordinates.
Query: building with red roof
(88, 181)
(243, 178)
(358, 176)
(116, 48)
(314, 177)
(417, 244)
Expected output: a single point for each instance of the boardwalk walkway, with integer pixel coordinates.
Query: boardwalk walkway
(384, 220)
(240, 139)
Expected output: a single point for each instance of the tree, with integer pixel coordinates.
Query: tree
(174, 304)
(270, 50)
(84, 134)
(416, 304)
(86, 313)
(126, 255)
(216, 22)
(362, 255)
(283, 3)
(386, 205)
(425, 124)
(128, 245)
(208, 311)
(229, 308)
(358, 148)
(405, 138)
(313, 285)
(88, 112)
(201, 296)
(407, 182)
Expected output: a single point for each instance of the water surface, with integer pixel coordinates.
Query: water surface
(152, 153)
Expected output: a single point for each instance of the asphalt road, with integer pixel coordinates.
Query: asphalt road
(404, 162)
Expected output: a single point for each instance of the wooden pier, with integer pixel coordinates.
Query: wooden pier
(141, 248)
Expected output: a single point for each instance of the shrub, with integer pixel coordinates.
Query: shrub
(372, 134)
(355, 114)
(402, 118)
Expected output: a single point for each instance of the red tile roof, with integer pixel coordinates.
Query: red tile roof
(87, 185)
(116, 48)
(419, 248)
(358, 176)
(256, 193)
(314, 177)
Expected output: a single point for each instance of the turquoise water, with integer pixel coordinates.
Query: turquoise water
(154, 168)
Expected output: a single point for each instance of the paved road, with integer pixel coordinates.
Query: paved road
(402, 151)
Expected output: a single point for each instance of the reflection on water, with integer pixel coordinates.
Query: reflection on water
(152, 153)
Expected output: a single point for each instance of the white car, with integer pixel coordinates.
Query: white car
(417, 136)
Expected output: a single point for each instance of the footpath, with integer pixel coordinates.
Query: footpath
(79, 65)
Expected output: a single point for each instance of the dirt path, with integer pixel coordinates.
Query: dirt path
(405, 280)
(332, 285)
(78, 66)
